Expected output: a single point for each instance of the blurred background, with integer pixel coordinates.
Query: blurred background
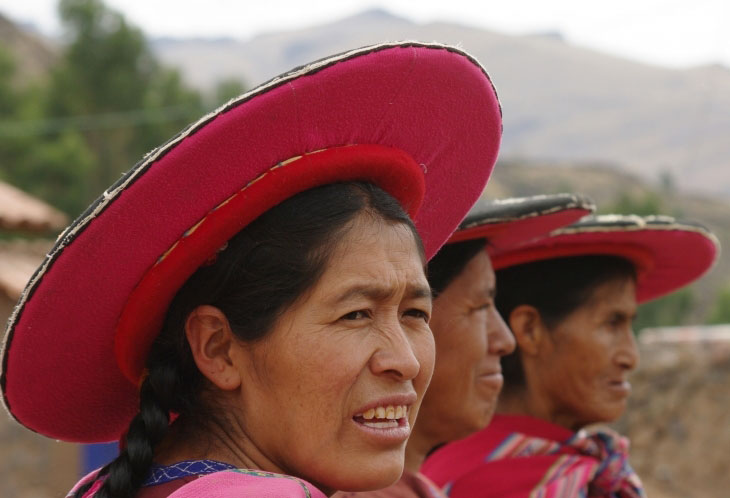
(628, 102)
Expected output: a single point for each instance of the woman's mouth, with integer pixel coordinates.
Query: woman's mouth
(384, 417)
(622, 387)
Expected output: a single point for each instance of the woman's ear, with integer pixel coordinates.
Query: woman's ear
(528, 329)
(211, 342)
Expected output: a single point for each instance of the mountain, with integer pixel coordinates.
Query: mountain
(561, 102)
(33, 56)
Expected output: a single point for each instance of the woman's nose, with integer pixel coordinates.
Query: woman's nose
(396, 356)
(628, 355)
(501, 340)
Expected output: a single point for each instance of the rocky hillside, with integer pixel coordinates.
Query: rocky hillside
(677, 419)
(33, 56)
(560, 101)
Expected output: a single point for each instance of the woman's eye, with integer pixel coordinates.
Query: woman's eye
(483, 307)
(355, 315)
(616, 321)
(416, 313)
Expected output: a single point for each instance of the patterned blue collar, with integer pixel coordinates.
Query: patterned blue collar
(165, 473)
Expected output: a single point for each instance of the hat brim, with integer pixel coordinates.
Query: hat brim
(432, 104)
(509, 222)
(667, 254)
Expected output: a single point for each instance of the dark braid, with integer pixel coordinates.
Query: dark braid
(125, 474)
(263, 270)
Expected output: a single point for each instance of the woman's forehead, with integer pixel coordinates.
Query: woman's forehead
(373, 235)
(375, 261)
(617, 294)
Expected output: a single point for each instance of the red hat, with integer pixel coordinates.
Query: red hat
(422, 121)
(667, 253)
(508, 222)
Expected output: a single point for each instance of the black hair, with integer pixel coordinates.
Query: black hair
(450, 261)
(261, 272)
(555, 287)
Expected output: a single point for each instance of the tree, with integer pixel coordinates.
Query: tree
(110, 87)
(643, 205)
(720, 312)
(39, 164)
(227, 89)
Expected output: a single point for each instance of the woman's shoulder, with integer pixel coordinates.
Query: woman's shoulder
(241, 483)
(90, 477)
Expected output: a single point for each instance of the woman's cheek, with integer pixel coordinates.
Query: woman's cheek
(426, 354)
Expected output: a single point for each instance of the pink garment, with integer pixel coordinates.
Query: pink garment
(239, 483)
(165, 489)
(244, 483)
(410, 485)
(156, 491)
(524, 457)
(88, 477)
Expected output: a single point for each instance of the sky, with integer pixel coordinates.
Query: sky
(674, 33)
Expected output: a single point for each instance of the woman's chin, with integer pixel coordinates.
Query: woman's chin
(369, 476)
(606, 415)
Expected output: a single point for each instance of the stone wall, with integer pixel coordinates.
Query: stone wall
(678, 417)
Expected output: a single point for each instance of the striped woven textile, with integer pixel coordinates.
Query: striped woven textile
(523, 457)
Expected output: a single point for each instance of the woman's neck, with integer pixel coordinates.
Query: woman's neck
(420, 444)
(227, 443)
(524, 402)
(417, 448)
(215, 443)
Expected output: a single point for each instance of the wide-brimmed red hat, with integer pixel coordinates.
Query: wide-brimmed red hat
(422, 121)
(667, 253)
(513, 221)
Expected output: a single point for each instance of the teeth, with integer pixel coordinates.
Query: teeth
(389, 412)
(390, 424)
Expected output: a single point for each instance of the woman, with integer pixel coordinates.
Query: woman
(570, 299)
(251, 295)
(470, 335)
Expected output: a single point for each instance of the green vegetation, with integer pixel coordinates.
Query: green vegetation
(105, 104)
(54, 167)
(720, 312)
(670, 310)
(646, 204)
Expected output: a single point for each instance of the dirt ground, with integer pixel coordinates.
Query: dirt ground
(678, 419)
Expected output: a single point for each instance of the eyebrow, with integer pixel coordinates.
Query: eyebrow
(623, 315)
(490, 292)
(381, 293)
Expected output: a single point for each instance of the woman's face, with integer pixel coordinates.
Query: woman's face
(583, 369)
(470, 338)
(331, 393)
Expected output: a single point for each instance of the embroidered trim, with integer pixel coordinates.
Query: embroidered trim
(160, 474)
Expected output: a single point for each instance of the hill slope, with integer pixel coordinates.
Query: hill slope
(560, 101)
(33, 57)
